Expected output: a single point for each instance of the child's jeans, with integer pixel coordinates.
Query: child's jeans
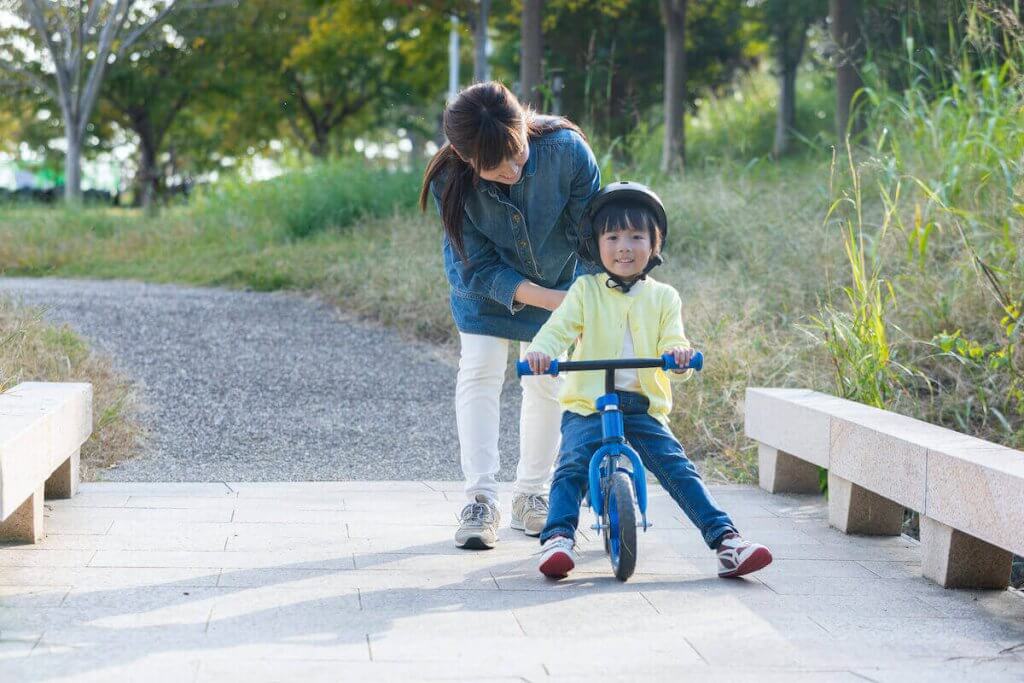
(660, 452)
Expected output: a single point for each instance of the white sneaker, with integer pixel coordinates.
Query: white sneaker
(478, 529)
(529, 513)
(737, 557)
(558, 557)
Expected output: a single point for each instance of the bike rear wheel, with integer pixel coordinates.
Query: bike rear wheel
(620, 525)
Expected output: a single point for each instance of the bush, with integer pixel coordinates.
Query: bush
(308, 201)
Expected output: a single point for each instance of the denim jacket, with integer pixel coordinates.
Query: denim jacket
(528, 234)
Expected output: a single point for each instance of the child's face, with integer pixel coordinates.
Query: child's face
(625, 253)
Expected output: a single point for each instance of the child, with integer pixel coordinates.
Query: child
(622, 313)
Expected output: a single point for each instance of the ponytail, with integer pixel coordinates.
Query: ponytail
(460, 177)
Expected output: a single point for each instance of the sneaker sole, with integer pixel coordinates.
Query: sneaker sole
(557, 566)
(760, 559)
(475, 543)
(519, 526)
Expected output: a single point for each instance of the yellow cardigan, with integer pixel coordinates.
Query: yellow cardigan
(595, 317)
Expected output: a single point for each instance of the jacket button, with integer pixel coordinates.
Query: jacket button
(522, 243)
(515, 218)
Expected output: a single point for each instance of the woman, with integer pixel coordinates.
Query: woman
(510, 187)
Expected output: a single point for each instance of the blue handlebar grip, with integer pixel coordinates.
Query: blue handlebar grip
(523, 368)
(696, 361)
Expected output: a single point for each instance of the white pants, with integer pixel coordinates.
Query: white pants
(482, 368)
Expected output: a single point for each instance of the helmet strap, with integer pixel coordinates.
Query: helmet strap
(616, 282)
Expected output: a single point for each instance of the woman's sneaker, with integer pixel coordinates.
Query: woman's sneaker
(478, 529)
(529, 513)
(737, 557)
(558, 557)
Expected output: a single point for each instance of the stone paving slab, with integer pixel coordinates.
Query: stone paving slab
(323, 581)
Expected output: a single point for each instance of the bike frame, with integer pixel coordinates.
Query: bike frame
(608, 458)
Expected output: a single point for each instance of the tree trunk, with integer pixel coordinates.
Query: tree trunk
(148, 178)
(319, 147)
(531, 50)
(843, 15)
(453, 59)
(785, 119)
(72, 165)
(481, 69)
(673, 150)
(789, 51)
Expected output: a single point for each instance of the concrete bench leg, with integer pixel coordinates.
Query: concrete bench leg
(63, 483)
(855, 510)
(780, 472)
(26, 523)
(953, 559)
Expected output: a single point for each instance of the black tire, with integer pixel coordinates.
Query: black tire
(620, 525)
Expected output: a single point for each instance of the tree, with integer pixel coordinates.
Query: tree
(148, 92)
(78, 41)
(339, 64)
(531, 51)
(673, 150)
(786, 23)
(845, 29)
(604, 53)
(481, 69)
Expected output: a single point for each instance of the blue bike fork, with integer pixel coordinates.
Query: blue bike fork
(605, 460)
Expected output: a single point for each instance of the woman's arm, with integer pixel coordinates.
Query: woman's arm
(533, 294)
(586, 182)
(483, 271)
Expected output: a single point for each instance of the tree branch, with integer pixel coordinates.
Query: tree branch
(130, 39)
(38, 22)
(87, 98)
(34, 79)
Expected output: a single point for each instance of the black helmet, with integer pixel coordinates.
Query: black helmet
(627, 193)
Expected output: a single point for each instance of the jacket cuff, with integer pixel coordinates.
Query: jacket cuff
(503, 289)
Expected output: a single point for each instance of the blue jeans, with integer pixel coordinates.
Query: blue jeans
(660, 452)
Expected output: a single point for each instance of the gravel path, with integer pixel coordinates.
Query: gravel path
(242, 386)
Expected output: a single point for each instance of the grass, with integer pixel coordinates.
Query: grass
(32, 350)
(903, 264)
(388, 268)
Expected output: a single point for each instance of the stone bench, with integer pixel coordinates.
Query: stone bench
(969, 492)
(42, 428)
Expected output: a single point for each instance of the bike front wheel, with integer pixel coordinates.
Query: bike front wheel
(620, 525)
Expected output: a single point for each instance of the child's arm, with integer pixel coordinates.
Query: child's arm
(672, 337)
(562, 328)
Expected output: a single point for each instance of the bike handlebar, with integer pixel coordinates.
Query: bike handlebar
(666, 362)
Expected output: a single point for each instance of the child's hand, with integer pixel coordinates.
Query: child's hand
(682, 358)
(539, 362)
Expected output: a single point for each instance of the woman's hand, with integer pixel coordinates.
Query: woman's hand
(682, 358)
(534, 295)
(539, 362)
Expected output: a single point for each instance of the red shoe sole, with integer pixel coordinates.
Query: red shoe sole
(557, 566)
(761, 558)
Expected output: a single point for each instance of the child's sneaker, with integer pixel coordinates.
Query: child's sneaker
(737, 557)
(558, 557)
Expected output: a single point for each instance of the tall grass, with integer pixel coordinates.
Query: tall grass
(954, 142)
(32, 350)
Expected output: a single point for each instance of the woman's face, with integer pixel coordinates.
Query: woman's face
(509, 171)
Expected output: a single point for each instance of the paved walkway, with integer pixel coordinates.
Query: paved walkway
(268, 387)
(320, 582)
